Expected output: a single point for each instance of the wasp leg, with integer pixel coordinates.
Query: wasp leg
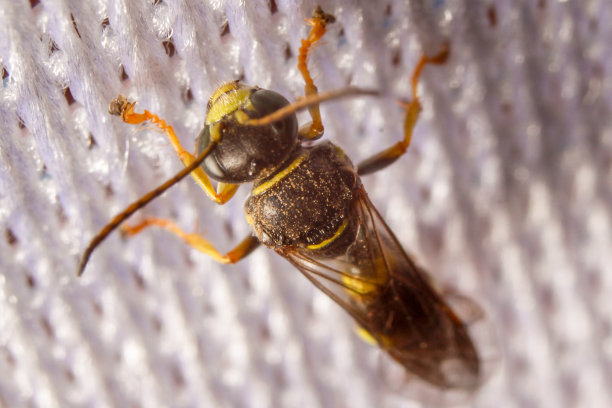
(318, 22)
(413, 108)
(244, 248)
(120, 106)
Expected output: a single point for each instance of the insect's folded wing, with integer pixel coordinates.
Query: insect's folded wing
(390, 297)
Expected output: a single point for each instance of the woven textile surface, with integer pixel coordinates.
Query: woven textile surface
(505, 196)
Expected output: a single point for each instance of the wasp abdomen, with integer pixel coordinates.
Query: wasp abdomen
(306, 203)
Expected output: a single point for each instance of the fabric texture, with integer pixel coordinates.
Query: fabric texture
(504, 196)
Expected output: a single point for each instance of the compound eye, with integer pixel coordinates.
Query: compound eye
(226, 100)
(210, 164)
(235, 159)
(266, 102)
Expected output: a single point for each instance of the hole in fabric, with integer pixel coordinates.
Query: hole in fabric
(187, 95)
(169, 47)
(47, 328)
(10, 237)
(288, 52)
(53, 47)
(492, 16)
(225, 30)
(396, 57)
(92, 142)
(74, 24)
(124, 75)
(69, 97)
(273, 7)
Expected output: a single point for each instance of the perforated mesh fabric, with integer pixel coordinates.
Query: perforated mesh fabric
(505, 196)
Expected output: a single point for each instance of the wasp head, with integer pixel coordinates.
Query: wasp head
(244, 152)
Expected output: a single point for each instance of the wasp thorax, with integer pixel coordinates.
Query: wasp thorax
(244, 152)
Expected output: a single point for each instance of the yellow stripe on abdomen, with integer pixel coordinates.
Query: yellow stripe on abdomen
(332, 239)
(278, 176)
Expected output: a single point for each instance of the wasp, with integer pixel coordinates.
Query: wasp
(308, 204)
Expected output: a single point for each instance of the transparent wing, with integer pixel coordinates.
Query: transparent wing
(391, 298)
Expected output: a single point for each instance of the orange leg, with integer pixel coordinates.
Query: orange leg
(319, 21)
(244, 248)
(122, 107)
(384, 158)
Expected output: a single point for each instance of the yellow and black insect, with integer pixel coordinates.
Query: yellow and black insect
(308, 204)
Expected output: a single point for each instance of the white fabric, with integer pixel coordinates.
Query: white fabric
(505, 195)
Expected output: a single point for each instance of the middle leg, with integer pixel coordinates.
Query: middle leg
(385, 157)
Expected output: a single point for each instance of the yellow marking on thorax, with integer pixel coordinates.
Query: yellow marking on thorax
(226, 103)
(241, 117)
(215, 132)
(225, 88)
(278, 176)
(330, 240)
